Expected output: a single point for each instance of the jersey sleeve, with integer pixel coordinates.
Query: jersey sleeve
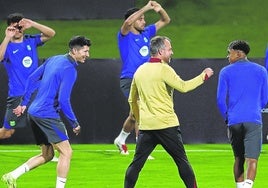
(172, 79)
(66, 86)
(221, 95)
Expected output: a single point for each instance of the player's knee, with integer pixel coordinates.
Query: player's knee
(67, 153)
(6, 133)
(251, 161)
(49, 157)
(12, 131)
(70, 153)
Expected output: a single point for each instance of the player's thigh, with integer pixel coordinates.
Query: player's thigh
(53, 128)
(253, 140)
(171, 141)
(39, 134)
(236, 137)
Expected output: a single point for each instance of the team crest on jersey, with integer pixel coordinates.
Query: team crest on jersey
(27, 61)
(29, 48)
(145, 39)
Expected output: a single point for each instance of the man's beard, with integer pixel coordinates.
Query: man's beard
(139, 30)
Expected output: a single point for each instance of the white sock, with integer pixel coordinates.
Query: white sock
(20, 170)
(248, 183)
(123, 136)
(240, 184)
(60, 182)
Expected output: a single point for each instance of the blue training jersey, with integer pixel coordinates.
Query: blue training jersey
(266, 59)
(20, 60)
(134, 50)
(242, 92)
(54, 79)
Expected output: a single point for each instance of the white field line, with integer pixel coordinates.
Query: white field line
(89, 150)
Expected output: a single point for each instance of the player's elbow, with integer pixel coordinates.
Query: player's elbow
(53, 33)
(168, 20)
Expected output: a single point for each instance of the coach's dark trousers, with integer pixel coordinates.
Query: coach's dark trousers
(171, 141)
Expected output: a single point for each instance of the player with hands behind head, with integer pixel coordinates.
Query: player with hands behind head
(18, 53)
(133, 43)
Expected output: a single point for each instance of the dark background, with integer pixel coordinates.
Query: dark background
(66, 9)
(101, 107)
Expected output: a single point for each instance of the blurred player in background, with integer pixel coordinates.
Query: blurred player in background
(242, 94)
(265, 110)
(18, 53)
(133, 43)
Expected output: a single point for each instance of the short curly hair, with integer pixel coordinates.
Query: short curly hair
(131, 11)
(79, 41)
(240, 45)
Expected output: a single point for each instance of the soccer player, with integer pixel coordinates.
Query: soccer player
(133, 43)
(151, 102)
(241, 95)
(18, 53)
(265, 110)
(54, 80)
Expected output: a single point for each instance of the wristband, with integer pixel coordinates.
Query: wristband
(206, 77)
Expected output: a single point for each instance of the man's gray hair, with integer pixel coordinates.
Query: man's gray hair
(157, 43)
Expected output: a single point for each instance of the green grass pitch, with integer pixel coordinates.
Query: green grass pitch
(101, 166)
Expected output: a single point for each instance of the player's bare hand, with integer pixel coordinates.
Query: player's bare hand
(157, 6)
(77, 130)
(209, 72)
(149, 5)
(19, 110)
(26, 23)
(10, 31)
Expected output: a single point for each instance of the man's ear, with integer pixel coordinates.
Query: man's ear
(241, 54)
(73, 51)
